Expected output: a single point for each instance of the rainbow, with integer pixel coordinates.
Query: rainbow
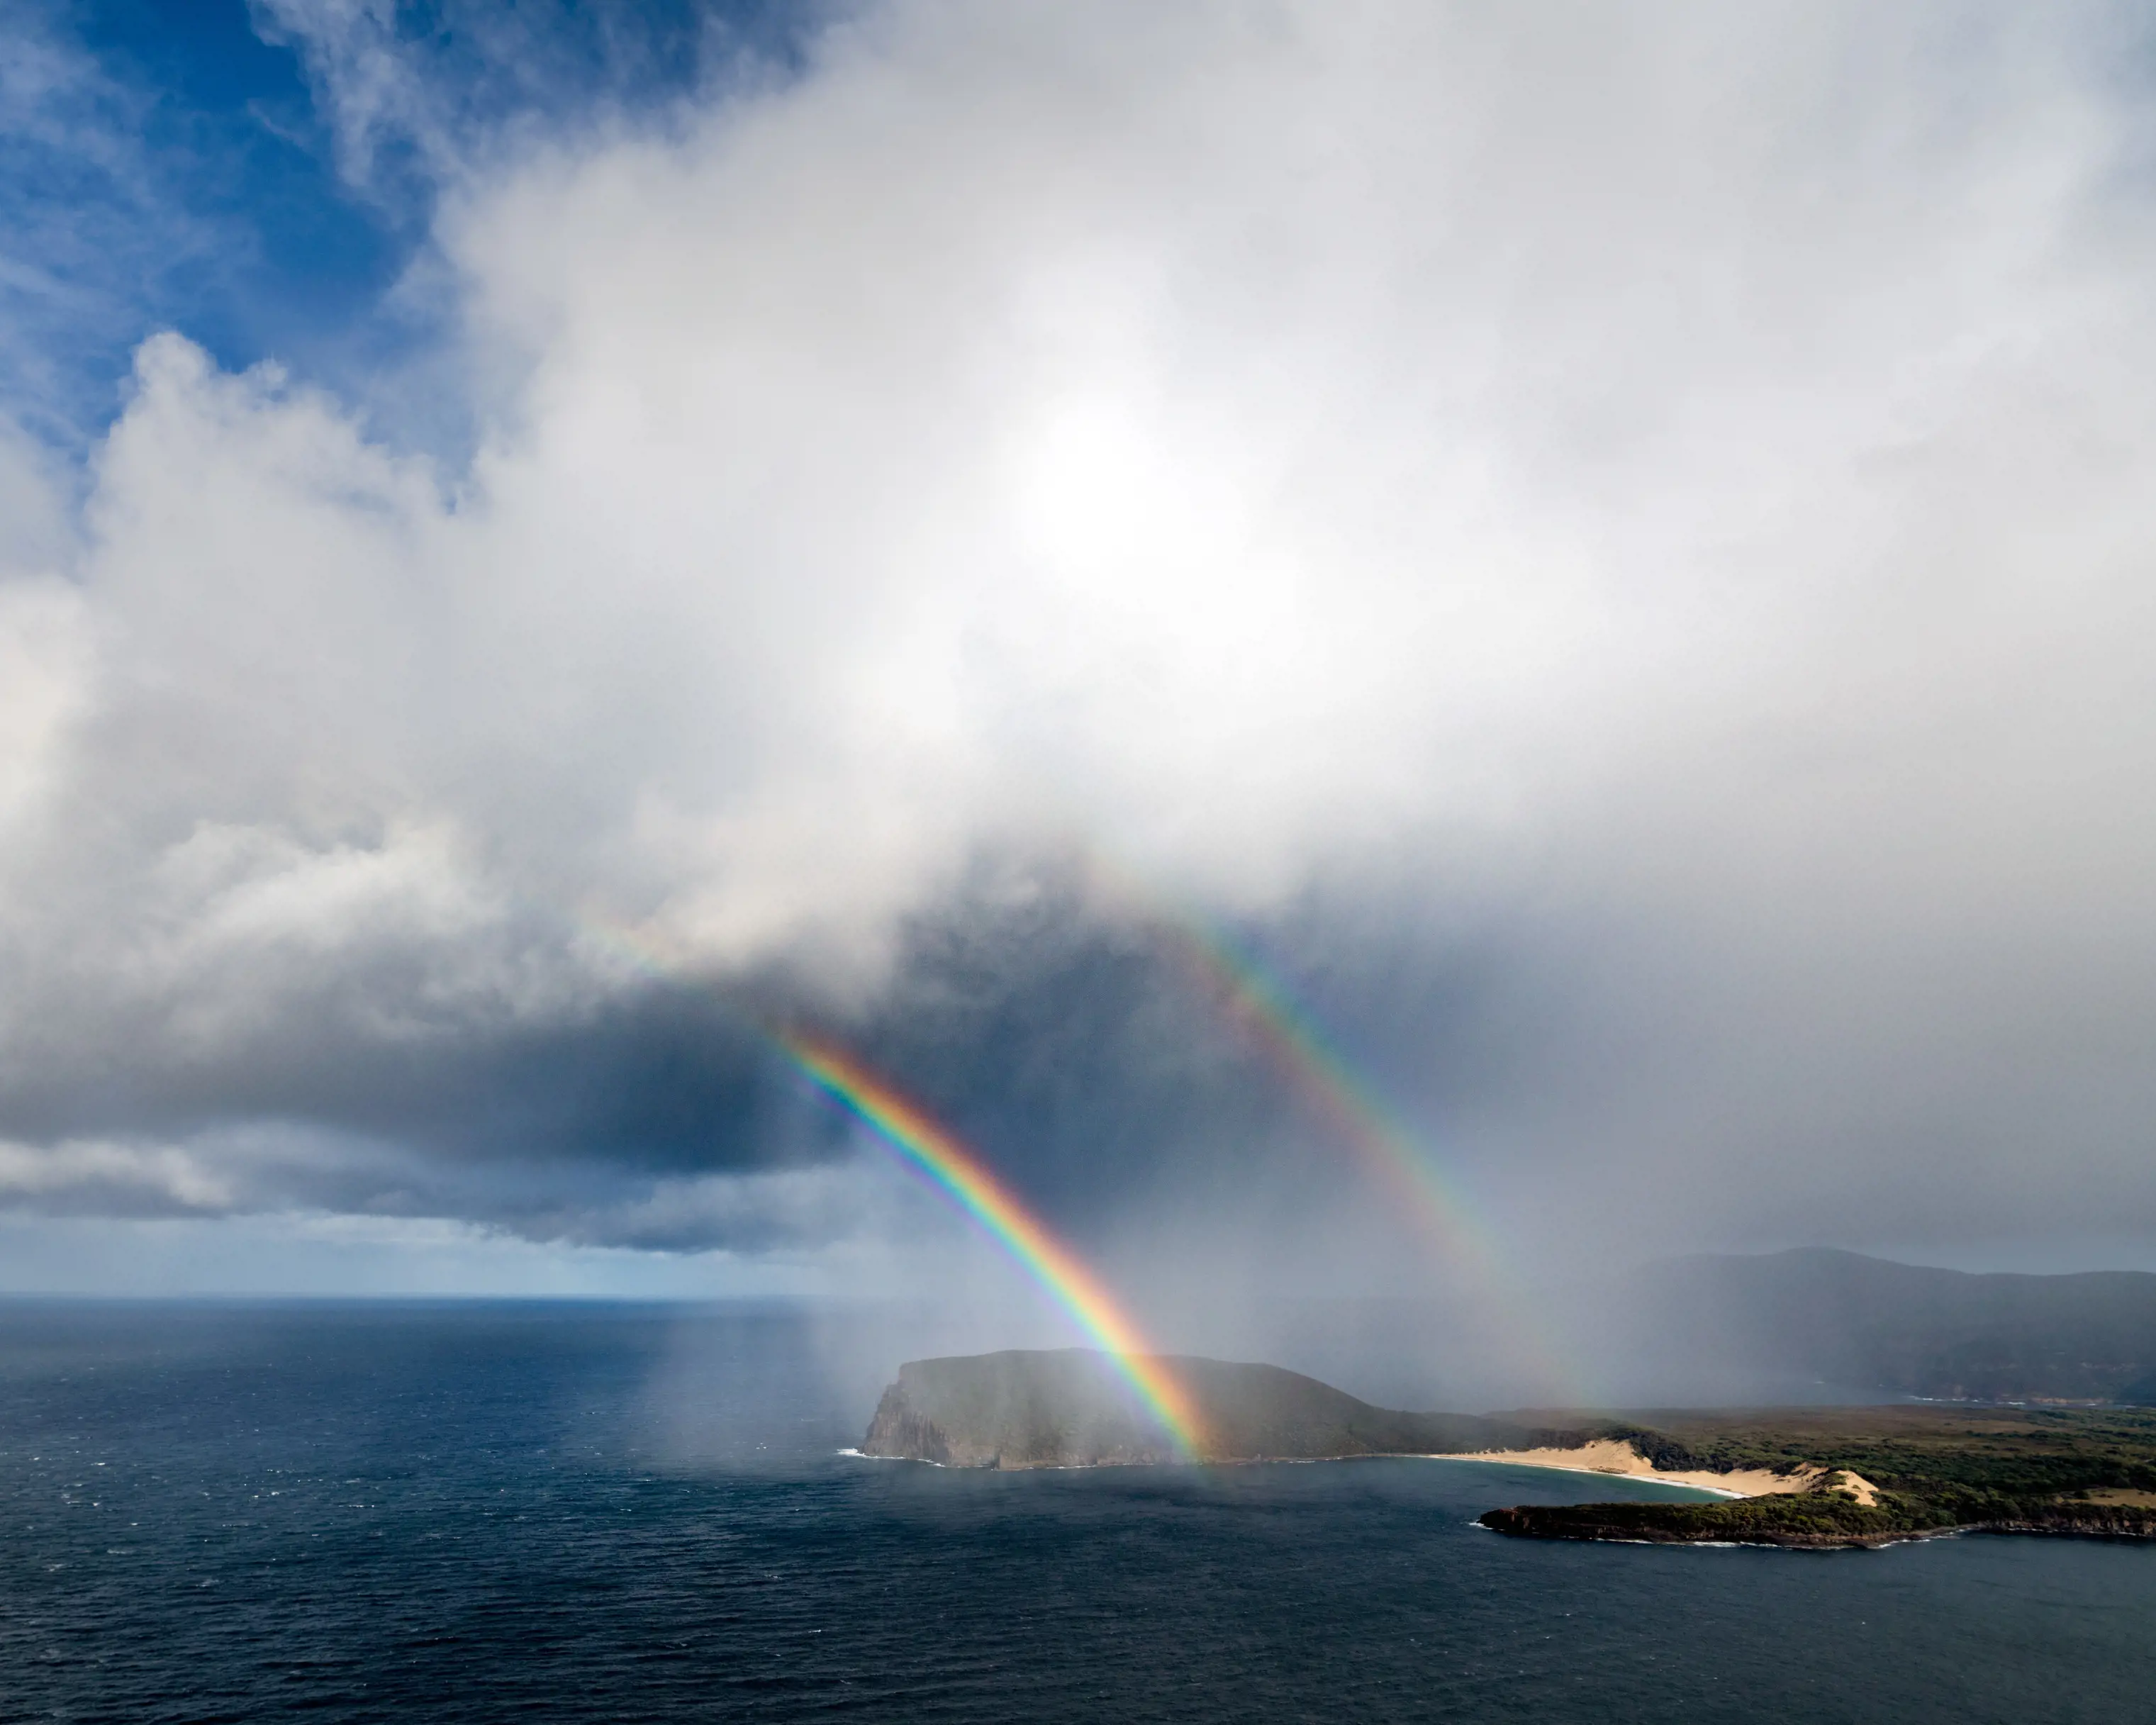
(1261, 1008)
(956, 1171)
(1293, 1046)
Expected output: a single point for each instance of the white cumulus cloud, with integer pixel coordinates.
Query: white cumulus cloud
(1689, 469)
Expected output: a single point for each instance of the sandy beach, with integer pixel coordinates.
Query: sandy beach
(1610, 1457)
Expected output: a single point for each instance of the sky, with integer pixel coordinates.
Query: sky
(1606, 551)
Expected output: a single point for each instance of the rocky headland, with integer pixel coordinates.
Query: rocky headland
(1788, 1476)
(1072, 1408)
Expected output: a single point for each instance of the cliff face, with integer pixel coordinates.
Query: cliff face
(899, 1430)
(1066, 1410)
(1073, 1407)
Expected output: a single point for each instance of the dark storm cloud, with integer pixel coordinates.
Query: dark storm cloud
(662, 1079)
(1063, 1044)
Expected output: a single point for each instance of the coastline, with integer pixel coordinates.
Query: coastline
(1589, 1458)
(1615, 1459)
(1650, 1478)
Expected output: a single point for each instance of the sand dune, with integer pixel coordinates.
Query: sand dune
(1608, 1455)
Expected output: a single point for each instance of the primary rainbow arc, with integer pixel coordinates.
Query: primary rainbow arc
(960, 1174)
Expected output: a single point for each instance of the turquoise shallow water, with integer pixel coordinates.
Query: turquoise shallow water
(482, 1512)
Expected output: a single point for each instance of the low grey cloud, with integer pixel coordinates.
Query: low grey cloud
(1608, 545)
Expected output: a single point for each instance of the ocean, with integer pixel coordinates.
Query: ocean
(487, 1511)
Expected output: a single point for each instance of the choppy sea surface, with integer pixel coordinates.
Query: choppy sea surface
(484, 1512)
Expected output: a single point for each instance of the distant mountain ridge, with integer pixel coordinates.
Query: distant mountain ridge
(1907, 1330)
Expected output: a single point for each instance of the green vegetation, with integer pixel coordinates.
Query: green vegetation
(2034, 1469)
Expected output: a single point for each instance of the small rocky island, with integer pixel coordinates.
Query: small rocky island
(1789, 1477)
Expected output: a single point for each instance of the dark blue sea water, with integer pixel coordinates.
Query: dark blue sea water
(460, 1513)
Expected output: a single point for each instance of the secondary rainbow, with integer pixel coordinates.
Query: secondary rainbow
(958, 1173)
(1294, 1047)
